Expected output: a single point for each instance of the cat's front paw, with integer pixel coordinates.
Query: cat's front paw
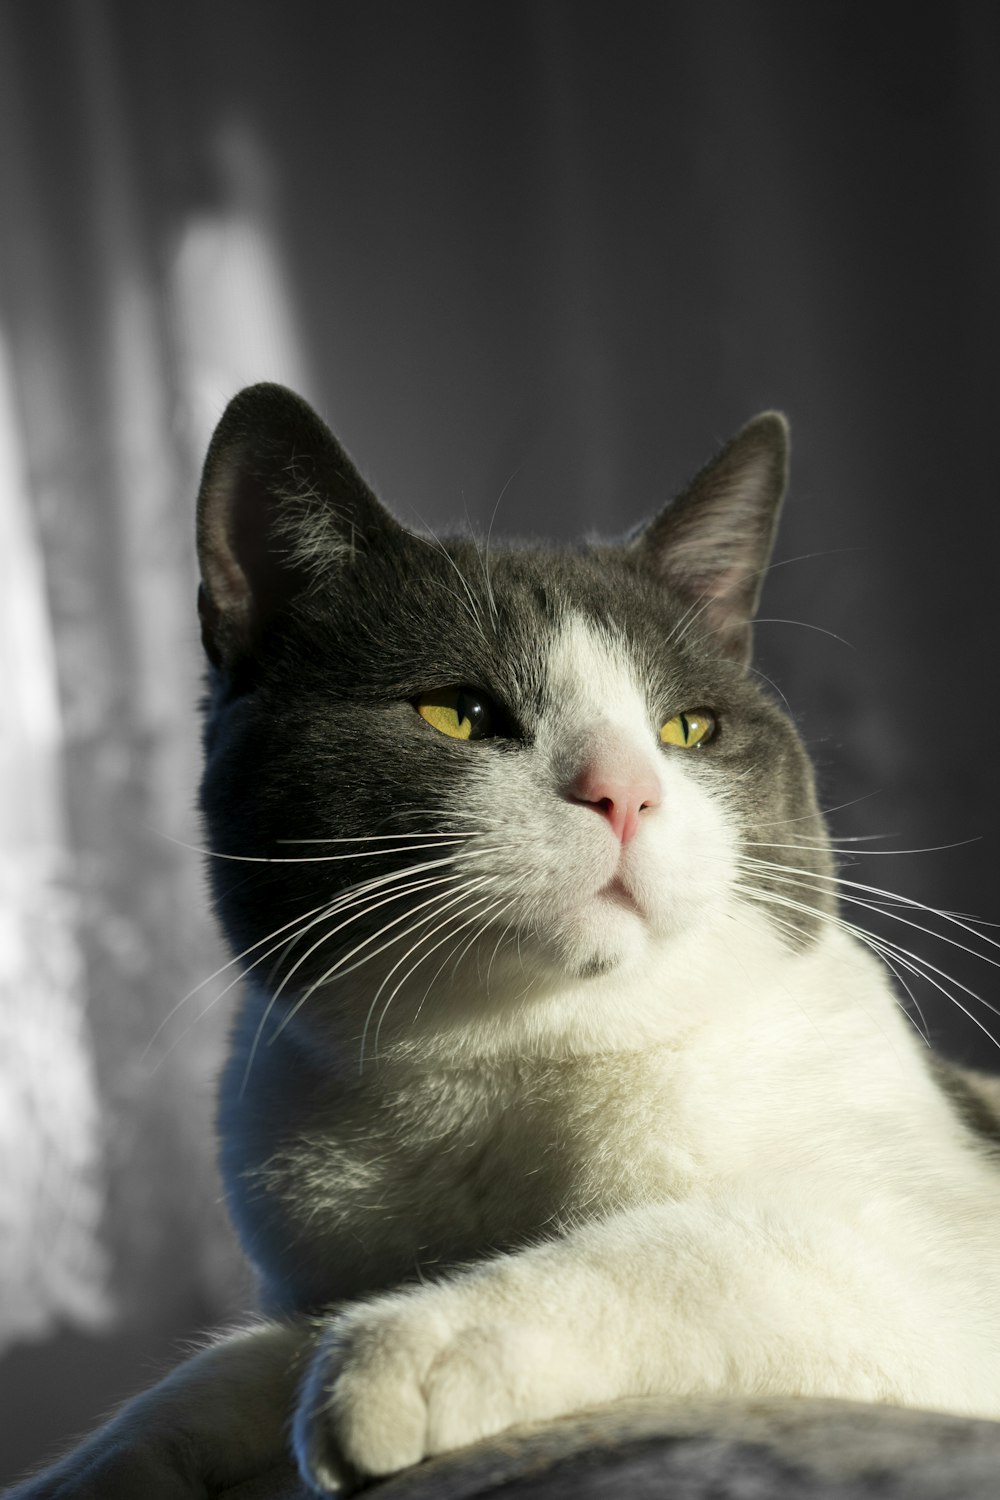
(412, 1375)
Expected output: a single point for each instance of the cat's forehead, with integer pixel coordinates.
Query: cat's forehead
(542, 631)
(550, 629)
(594, 671)
(604, 632)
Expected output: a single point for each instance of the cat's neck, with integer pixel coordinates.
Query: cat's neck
(707, 978)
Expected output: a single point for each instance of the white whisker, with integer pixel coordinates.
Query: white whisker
(339, 971)
(446, 906)
(432, 838)
(914, 963)
(222, 969)
(769, 898)
(472, 608)
(884, 897)
(826, 812)
(356, 896)
(434, 947)
(806, 625)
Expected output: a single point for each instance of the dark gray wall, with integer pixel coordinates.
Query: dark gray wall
(559, 250)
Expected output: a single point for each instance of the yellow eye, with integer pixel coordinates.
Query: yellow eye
(696, 727)
(461, 713)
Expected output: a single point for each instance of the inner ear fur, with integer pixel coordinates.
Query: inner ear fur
(713, 543)
(280, 504)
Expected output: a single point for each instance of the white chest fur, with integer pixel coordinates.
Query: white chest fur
(800, 1082)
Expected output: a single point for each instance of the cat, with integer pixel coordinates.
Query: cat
(557, 1077)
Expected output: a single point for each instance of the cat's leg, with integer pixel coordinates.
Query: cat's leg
(220, 1418)
(674, 1299)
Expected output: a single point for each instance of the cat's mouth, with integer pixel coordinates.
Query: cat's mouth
(618, 893)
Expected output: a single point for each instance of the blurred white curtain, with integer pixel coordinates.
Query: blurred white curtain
(52, 1264)
(129, 323)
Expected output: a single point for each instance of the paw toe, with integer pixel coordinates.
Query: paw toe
(362, 1411)
(480, 1384)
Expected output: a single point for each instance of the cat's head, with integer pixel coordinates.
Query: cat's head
(451, 782)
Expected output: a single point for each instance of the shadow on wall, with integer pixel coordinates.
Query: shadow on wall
(109, 1201)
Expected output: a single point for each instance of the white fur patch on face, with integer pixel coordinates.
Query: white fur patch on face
(581, 898)
(593, 678)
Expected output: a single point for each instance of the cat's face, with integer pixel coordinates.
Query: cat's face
(478, 778)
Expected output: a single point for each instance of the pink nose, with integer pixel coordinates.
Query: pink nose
(617, 793)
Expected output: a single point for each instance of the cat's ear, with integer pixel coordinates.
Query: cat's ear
(280, 504)
(712, 544)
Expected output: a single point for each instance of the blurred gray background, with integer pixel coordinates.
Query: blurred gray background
(550, 252)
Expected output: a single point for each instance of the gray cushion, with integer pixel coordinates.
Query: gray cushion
(708, 1450)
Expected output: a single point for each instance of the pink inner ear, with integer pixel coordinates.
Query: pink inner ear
(246, 577)
(225, 580)
(720, 610)
(713, 543)
(256, 555)
(279, 502)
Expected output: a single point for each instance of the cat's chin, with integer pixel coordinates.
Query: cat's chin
(610, 934)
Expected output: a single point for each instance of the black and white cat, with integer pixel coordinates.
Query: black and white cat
(553, 1050)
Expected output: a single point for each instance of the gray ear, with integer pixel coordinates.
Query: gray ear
(280, 504)
(713, 543)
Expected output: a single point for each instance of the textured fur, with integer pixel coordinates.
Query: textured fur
(576, 1119)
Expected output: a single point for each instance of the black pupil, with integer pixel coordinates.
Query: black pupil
(475, 710)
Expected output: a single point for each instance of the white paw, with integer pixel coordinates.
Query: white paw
(409, 1376)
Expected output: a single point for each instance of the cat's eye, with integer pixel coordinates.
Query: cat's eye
(696, 727)
(463, 713)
